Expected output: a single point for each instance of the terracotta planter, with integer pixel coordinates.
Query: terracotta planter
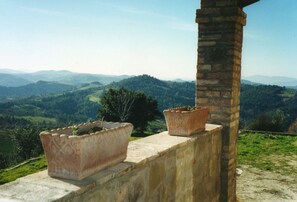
(184, 122)
(77, 157)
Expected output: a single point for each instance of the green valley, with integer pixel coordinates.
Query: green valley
(263, 107)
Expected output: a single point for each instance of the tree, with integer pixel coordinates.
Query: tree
(128, 106)
(269, 122)
(27, 142)
(3, 161)
(293, 127)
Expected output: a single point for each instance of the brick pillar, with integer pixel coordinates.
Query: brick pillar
(218, 78)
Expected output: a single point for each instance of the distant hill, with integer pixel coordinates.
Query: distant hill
(10, 80)
(255, 100)
(38, 88)
(64, 108)
(10, 71)
(258, 100)
(71, 78)
(293, 87)
(181, 80)
(243, 81)
(50, 75)
(80, 102)
(167, 93)
(77, 79)
(272, 80)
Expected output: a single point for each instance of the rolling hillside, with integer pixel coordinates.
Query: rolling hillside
(272, 80)
(70, 78)
(9, 80)
(278, 104)
(167, 93)
(70, 107)
(39, 88)
(274, 103)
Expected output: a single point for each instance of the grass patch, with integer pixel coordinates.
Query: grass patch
(134, 138)
(267, 152)
(33, 167)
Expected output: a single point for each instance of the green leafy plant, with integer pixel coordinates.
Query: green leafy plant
(76, 132)
(189, 109)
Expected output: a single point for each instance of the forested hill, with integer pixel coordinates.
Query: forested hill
(256, 100)
(66, 77)
(10, 80)
(38, 88)
(70, 107)
(277, 105)
(167, 93)
(270, 105)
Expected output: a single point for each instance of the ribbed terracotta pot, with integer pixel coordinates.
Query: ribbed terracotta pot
(77, 157)
(185, 121)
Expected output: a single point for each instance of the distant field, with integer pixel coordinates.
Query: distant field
(288, 93)
(95, 97)
(39, 119)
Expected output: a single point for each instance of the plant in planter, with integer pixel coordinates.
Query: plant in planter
(79, 151)
(185, 121)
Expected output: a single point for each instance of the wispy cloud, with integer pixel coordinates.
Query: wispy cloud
(144, 12)
(250, 35)
(136, 11)
(255, 35)
(189, 27)
(57, 13)
(172, 21)
(44, 11)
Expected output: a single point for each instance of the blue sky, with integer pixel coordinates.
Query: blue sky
(137, 37)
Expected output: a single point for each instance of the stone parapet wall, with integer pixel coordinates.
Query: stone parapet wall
(157, 168)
